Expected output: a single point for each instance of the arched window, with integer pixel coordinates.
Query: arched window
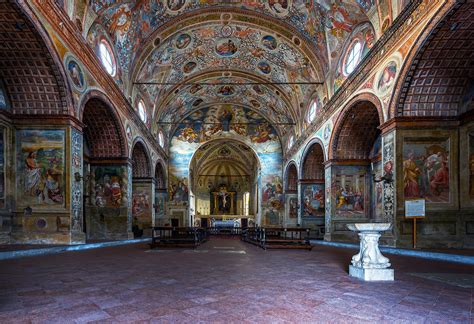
(107, 58)
(353, 57)
(313, 109)
(142, 111)
(161, 139)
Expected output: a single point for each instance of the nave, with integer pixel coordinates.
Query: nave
(227, 281)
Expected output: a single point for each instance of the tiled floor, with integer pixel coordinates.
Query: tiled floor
(225, 281)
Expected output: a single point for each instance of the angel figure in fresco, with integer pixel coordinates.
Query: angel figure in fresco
(32, 174)
(340, 20)
(263, 134)
(411, 172)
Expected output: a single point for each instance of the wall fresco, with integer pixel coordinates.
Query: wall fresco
(40, 175)
(426, 169)
(350, 191)
(109, 186)
(312, 200)
(2, 168)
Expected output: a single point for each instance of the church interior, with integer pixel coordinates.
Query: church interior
(272, 161)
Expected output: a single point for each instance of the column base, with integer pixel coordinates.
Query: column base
(371, 274)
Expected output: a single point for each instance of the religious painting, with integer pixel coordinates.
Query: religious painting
(2, 168)
(350, 191)
(182, 41)
(387, 77)
(312, 200)
(272, 195)
(40, 168)
(471, 165)
(227, 47)
(142, 204)
(269, 42)
(223, 202)
(160, 204)
(75, 73)
(279, 7)
(109, 186)
(179, 192)
(271, 217)
(264, 67)
(293, 208)
(226, 91)
(175, 5)
(189, 67)
(426, 169)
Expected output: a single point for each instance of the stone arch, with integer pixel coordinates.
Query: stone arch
(312, 163)
(141, 166)
(356, 128)
(291, 178)
(436, 74)
(34, 75)
(103, 132)
(160, 175)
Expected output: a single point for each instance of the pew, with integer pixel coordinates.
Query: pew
(190, 237)
(278, 238)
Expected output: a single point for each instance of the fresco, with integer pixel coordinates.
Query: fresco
(160, 207)
(142, 205)
(365, 35)
(262, 98)
(2, 168)
(131, 23)
(40, 174)
(387, 78)
(219, 122)
(312, 200)
(426, 169)
(293, 208)
(75, 73)
(350, 191)
(109, 185)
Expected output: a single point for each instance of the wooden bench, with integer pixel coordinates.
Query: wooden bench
(278, 238)
(177, 237)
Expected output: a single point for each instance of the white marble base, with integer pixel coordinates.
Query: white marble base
(371, 274)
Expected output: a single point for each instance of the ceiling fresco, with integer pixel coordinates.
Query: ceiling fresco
(181, 42)
(268, 101)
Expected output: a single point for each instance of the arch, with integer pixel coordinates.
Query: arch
(160, 175)
(140, 160)
(103, 133)
(356, 131)
(291, 178)
(24, 68)
(434, 79)
(312, 164)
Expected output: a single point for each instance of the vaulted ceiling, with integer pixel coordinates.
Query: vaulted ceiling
(269, 56)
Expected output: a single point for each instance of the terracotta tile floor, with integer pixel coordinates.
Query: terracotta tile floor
(225, 281)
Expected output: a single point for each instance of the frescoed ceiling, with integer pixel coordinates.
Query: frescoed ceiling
(207, 52)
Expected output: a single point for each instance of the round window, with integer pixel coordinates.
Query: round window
(353, 57)
(142, 111)
(107, 58)
(161, 139)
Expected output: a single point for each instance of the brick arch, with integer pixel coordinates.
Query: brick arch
(312, 167)
(140, 160)
(103, 130)
(356, 129)
(29, 66)
(291, 178)
(160, 175)
(437, 73)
